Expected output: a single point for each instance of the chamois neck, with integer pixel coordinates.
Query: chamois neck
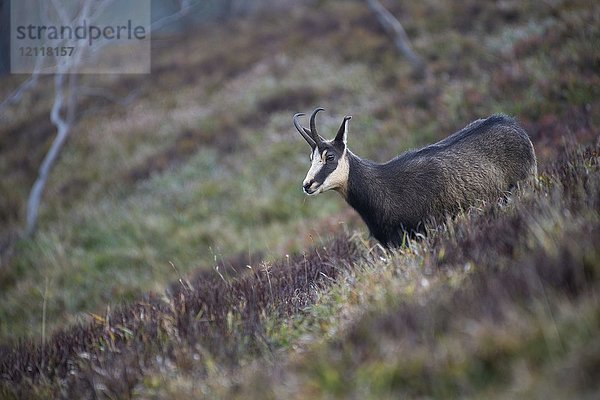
(364, 188)
(370, 195)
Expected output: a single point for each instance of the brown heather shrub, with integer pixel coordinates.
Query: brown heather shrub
(221, 315)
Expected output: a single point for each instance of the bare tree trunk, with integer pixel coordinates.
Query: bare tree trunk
(63, 129)
(394, 28)
(63, 113)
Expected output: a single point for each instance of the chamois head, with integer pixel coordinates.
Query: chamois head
(329, 160)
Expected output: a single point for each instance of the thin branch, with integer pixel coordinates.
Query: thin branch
(18, 93)
(185, 7)
(24, 87)
(394, 28)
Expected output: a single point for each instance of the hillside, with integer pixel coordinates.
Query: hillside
(177, 256)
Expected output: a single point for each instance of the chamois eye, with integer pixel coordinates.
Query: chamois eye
(330, 157)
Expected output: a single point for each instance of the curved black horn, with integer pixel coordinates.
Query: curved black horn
(303, 131)
(313, 127)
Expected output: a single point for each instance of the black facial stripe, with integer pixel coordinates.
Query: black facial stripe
(324, 172)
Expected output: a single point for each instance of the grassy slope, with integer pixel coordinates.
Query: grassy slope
(173, 177)
(501, 302)
(498, 304)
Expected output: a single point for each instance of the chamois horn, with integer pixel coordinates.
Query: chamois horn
(306, 134)
(313, 128)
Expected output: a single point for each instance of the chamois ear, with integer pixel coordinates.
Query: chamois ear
(342, 135)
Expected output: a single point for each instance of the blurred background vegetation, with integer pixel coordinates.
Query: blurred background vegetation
(202, 163)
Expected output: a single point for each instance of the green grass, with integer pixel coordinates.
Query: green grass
(204, 167)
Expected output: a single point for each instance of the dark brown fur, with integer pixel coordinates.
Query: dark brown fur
(482, 162)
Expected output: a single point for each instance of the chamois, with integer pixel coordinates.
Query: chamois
(482, 162)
